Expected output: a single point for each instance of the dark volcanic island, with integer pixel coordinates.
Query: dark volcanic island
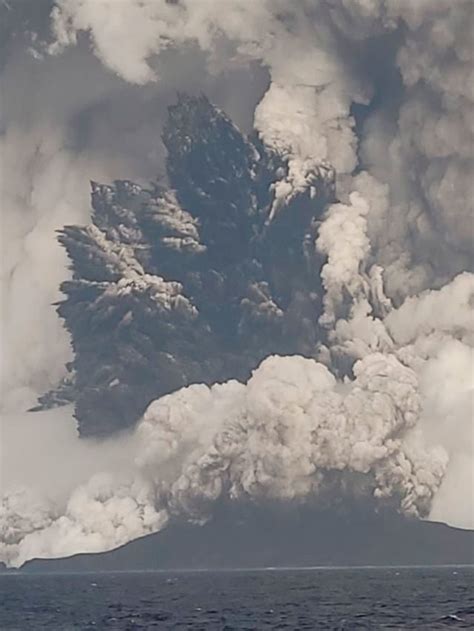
(198, 282)
(299, 536)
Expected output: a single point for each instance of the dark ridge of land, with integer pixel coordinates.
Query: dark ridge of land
(275, 537)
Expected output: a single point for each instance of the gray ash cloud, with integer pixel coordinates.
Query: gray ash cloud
(190, 283)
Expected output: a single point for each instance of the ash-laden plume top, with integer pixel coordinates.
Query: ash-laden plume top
(193, 283)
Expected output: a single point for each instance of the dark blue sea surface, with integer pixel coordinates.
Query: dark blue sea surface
(361, 598)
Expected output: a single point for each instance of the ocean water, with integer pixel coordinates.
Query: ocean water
(363, 598)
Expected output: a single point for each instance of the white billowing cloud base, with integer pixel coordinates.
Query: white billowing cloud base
(277, 437)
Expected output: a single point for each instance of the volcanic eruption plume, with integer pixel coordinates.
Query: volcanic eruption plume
(285, 315)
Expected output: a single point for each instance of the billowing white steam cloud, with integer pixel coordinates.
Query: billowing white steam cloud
(277, 437)
(398, 292)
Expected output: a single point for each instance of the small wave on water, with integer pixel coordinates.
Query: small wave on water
(461, 617)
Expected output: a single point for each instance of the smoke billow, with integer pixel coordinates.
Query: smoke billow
(379, 93)
(290, 433)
